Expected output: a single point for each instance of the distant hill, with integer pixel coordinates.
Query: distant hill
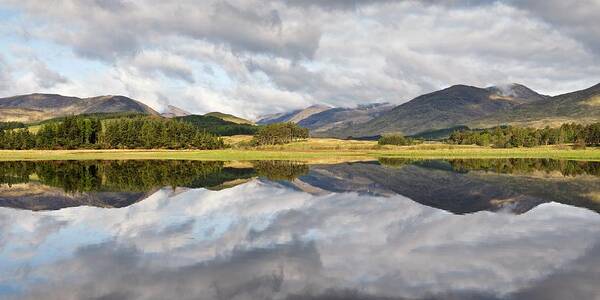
(229, 118)
(581, 107)
(218, 126)
(294, 116)
(340, 117)
(38, 107)
(320, 119)
(174, 111)
(453, 106)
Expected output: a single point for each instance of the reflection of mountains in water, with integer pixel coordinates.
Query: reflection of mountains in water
(467, 186)
(458, 186)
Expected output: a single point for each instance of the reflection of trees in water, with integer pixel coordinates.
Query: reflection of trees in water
(140, 175)
(509, 165)
(280, 169)
(130, 176)
(395, 162)
(528, 165)
(14, 172)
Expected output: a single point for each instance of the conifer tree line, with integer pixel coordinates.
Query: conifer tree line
(279, 133)
(11, 125)
(122, 133)
(149, 133)
(509, 136)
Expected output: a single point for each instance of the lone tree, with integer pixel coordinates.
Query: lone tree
(280, 133)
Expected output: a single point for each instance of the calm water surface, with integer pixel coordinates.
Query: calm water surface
(388, 229)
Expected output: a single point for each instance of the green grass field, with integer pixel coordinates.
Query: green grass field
(314, 151)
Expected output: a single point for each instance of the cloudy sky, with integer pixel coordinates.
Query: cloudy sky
(252, 57)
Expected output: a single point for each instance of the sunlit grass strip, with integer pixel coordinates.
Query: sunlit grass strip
(303, 155)
(221, 155)
(584, 154)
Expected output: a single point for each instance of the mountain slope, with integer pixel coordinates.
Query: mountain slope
(293, 116)
(229, 118)
(218, 126)
(340, 117)
(580, 106)
(38, 107)
(453, 106)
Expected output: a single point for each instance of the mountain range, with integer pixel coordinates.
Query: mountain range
(294, 116)
(454, 107)
(458, 106)
(39, 107)
(320, 119)
(580, 106)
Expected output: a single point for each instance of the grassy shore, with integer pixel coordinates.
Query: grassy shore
(313, 151)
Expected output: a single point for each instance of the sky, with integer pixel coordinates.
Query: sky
(254, 57)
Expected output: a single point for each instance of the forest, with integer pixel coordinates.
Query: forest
(279, 133)
(219, 126)
(122, 133)
(510, 136)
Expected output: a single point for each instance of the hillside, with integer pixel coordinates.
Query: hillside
(218, 126)
(294, 116)
(320, 119)
(38, 107)
(453, 106)
(341, 117)
(229, 118)
(581, 107)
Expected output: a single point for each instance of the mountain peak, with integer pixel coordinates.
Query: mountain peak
(515, 92)
(174, 111)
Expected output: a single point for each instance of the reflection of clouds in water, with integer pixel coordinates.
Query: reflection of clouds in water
(114, 271)
(269, 242)
(560, 285)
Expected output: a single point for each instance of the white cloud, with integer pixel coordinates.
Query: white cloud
(5, 74)
(169, 65)
(276, 55)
